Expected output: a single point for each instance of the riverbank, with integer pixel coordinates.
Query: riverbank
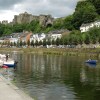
(57, 51)
(8, 91)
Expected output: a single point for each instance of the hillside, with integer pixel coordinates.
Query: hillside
(86, 11)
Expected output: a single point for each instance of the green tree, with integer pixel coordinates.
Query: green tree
(18, 43)
(11, 44)
(53, 42)
(68, 22)
(66, 41)
(86, 38)
(44, 42)
(14, 43)
(34, 26)
(21, 43)
(85, 12)
(2, 28)
(40, 43)
(57, 41)
(18, 28)
(28, 42)
(58, 24)
(36, 43)
(96, 3)
(24, 43)
(48, 42)
(61, 41)
(32, 43)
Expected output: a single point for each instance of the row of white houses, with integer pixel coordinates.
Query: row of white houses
(25, 36)
(88, 26)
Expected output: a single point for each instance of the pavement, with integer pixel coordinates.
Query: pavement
(8, 91)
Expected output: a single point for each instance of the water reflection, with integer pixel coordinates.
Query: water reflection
(90, 65)
(44, 76)
(52, 77)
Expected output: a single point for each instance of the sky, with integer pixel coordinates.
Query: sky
(56, 8)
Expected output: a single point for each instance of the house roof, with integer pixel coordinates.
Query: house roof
(88, 24)
(84, 25)
(16, 35)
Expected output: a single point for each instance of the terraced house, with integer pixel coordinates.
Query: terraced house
(88, 26)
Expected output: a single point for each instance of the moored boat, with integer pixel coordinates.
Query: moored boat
(7, 62)
(11, 63)
(91, 61)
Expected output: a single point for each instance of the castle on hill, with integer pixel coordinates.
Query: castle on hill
(25, 17)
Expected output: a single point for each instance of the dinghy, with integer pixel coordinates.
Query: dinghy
(91, 61)
(7, 62)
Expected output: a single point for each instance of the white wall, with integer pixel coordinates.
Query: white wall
(86, 27)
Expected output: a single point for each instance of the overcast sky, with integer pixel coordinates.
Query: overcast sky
(57, 8)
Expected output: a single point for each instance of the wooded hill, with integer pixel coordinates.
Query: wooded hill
(86, 11)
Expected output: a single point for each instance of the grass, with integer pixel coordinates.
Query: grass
(57, 51)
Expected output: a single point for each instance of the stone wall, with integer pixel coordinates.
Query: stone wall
(23, 18)
(44, 20)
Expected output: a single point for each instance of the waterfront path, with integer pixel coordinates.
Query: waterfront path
(8, 91)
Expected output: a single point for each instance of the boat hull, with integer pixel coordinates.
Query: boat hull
(7, 62)
(91, 61)
(10, 64)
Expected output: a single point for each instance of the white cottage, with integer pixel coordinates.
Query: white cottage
(86, 27)
(13, 40)
(55, 36)
(37, 37)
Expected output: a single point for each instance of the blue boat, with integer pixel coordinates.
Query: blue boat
(91, 61)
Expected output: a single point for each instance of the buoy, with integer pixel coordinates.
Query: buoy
(4, 66)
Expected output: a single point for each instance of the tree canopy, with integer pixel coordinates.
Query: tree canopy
(86, 11)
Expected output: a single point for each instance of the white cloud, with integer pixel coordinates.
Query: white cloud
(57, 8)
(7, 15)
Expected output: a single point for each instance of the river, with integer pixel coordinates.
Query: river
(55, 77)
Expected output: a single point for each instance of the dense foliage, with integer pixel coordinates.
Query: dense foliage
(86, 11)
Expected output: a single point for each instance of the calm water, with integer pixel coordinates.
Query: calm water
(52, 77)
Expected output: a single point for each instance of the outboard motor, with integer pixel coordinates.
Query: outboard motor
(15, 64)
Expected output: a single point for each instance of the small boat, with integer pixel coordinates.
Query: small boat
(4, 66)
(91, 61)
(10, 63)
(7, 62)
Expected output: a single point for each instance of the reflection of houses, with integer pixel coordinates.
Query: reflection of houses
(86, 27)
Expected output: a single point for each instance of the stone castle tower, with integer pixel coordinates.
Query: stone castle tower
(44, 20)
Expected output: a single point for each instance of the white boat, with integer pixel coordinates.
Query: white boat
(7, 62)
